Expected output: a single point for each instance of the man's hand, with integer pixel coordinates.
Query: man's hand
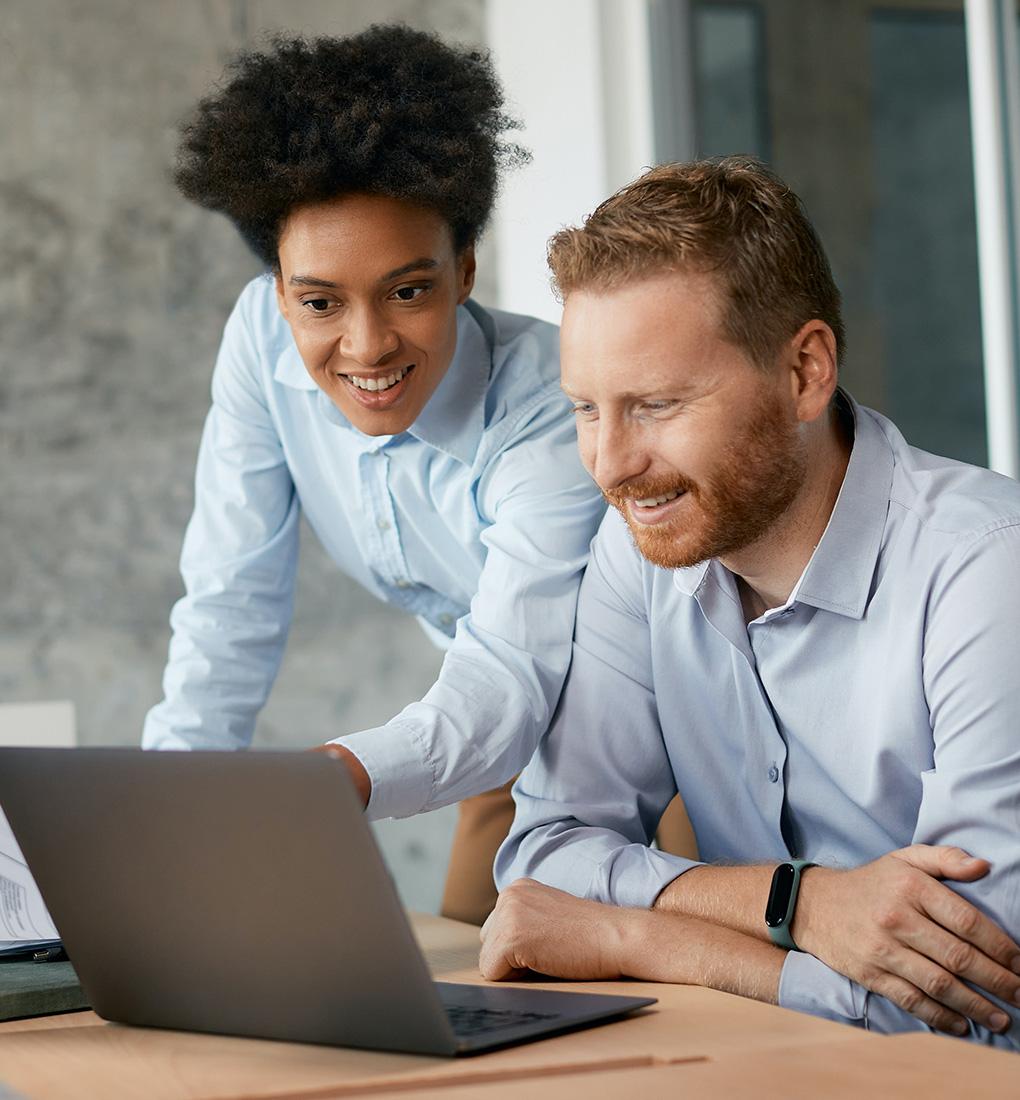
(356, 770)
(892, 927)
(536, 927)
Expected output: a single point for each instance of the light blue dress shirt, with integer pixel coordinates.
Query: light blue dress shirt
(476, 520)
(878, 707)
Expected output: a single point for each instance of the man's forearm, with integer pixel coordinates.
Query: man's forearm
(663, 947)
(537, 927)
(891, 926)
(733, 897)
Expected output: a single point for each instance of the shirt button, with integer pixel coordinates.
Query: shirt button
(446, 618)
(403, 583)
(383, 524)
(773, 774)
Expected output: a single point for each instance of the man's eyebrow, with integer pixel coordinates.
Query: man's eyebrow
(423, 263)
(674, 392)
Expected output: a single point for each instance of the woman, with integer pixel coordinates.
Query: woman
(424, 438)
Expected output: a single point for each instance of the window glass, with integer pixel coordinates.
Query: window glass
(864, 110)
(730, 100)
(923, 239)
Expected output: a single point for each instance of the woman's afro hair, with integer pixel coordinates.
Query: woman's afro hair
(390, 111)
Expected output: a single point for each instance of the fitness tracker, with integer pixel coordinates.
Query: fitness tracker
(782, 903)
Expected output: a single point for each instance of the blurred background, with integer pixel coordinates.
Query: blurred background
(113, 290)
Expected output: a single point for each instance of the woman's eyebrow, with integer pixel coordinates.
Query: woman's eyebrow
(423, 263)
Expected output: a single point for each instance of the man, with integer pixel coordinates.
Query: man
(790, 616)
(424, 438)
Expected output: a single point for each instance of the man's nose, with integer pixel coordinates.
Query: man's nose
(367, 338)
(615, 457)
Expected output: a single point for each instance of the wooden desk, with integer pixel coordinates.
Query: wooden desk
(722, 1038)
(904, 1067)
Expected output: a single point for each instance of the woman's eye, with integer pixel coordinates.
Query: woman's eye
(409, 293)
(583, 408)
(317, 305)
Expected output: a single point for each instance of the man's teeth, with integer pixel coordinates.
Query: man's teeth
(374, 384)
(651, 502)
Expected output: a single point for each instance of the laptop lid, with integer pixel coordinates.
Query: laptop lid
(243, 893)
(222, 892)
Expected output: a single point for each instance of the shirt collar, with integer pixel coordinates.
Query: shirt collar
(839, 575)
(290, 369)
(454, 417)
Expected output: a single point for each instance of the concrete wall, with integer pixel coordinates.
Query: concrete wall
(113, 293)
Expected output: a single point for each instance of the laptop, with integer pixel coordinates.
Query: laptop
(244, 894)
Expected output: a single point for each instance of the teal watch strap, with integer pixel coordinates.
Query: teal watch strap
(782, 903)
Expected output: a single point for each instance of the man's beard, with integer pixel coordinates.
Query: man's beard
(758, 476)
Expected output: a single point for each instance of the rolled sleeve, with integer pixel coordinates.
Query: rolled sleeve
(808, 985)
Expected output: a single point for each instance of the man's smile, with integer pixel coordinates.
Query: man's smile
(657, 509)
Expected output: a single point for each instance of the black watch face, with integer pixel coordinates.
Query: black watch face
(779, 896)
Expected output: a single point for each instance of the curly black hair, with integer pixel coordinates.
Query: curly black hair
(390, 111)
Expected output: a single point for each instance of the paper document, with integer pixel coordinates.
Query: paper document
(24, 922)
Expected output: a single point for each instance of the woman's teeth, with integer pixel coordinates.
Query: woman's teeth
(651, 502)
(374, 384)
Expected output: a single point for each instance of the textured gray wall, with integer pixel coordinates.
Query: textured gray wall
(113, 293)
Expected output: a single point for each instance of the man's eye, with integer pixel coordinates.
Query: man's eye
(658, 406)
(408, 293)
(583, 408)
(317, 305)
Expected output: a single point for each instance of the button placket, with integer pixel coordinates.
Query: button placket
(388, 557)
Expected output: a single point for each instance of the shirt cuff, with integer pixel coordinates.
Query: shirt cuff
(398, 768)
(808, 985)
(636, 876)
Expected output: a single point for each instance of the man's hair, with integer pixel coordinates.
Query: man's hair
(390, 111)
(729, 217)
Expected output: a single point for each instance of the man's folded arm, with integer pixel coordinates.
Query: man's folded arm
(969, 803)
(588, 804)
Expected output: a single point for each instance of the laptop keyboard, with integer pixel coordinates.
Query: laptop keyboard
(468, 1020)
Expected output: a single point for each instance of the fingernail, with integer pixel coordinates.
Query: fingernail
(998, 1020)
(1015, 964)
(960, 1028)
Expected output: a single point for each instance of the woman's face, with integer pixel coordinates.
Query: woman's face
(370, 287)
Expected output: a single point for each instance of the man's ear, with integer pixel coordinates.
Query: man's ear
(281, 298)
(466, 267)
(813, 369)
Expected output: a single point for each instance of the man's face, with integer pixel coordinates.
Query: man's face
(370, 287)
(700, 450)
